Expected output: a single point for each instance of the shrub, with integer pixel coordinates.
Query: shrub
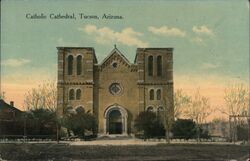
(184, 129)
(79, 123)
(149, 124)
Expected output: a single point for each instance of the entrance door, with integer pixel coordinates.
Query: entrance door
(115, 122)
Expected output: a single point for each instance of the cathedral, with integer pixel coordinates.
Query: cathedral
(115, 90)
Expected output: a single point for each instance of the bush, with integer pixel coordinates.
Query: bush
(40, 122)
(149, 124)
(242, 132)
(184, 129)
(79, 123)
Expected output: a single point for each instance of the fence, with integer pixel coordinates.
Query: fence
(27, 129)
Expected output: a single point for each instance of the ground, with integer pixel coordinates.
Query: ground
(122, 150)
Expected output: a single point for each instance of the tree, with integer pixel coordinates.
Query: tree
(149, 124)
(181, 102)
(237, 99)
(79, 122)
(184, 129)
(187, 129)
(40, 122)
(198, 110)
(44, 96)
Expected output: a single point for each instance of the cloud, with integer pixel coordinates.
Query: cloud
(106, 35)
(167, 31)
(203, 30)
(209, 66)
(197, 40)
(15, 62)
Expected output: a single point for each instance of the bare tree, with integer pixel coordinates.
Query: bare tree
(181, 102)
(237, 100)
(44, 96)
(199, 108)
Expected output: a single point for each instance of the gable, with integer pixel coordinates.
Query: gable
(115, 56)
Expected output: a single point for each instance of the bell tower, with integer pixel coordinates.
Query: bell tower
(75, 79)
(155, 70)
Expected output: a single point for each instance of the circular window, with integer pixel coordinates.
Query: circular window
(115, 88)
(114, 65)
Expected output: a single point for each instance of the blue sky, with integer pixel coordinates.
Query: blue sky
(210, 38)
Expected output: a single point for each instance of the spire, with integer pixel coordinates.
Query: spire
(115, 46)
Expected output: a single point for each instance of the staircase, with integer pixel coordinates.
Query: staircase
(114, 137)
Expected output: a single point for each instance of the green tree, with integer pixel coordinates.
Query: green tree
(40, 122)
(79, 122)
(149, 124)
(184, 129)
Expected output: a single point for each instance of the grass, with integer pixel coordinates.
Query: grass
(51, 151)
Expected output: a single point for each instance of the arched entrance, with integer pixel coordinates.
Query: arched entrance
(115, 120)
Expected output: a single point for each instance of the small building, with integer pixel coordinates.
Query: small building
(10, 123)
(8, 111)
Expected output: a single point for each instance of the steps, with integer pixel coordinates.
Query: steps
(114, 137)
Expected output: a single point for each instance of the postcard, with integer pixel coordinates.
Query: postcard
(124, 80)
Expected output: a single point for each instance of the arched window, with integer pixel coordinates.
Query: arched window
(80, 109)
(71, 94)
(150, 108)
(150, 65)
(159, 66)
(158, 94)
(78, 94)
(79, 65)
(70, 65)
(151, 94)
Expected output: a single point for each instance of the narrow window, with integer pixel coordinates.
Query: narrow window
(78, 94)
(70, 65)
(158, 94)
(151, 94)
(71, 94)
(79, 65)
(150, 65)
(159, 66)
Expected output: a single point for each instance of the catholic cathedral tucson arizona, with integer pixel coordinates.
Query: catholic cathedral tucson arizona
(115, 90)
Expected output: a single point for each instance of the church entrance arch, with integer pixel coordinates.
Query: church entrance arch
(115, 120)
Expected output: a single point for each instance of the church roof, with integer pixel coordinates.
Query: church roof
(115, 50)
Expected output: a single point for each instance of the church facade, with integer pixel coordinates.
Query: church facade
(115, 90)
